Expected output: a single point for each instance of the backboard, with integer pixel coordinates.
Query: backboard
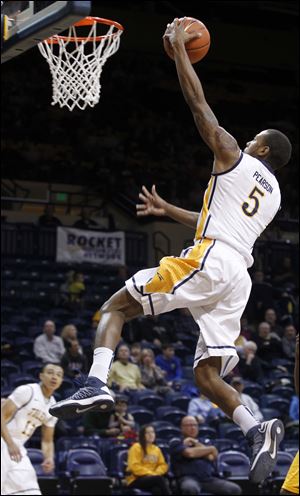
(25, 24)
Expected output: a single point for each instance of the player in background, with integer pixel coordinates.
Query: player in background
(210, 278)
(27, 408)
(291, 482)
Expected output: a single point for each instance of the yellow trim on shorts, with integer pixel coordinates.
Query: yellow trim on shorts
(291, 482)
(175, 270)
(205, 211)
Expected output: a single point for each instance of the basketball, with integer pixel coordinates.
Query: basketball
(197, 48)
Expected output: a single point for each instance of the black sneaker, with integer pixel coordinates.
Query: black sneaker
(264, 441)
(94, 395)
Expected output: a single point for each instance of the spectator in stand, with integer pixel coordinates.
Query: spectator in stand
(85, 222)
(285, 273)
(120, 419)
(289, 342)
(204, 410)
(250, 365)
(171, 364)
(64, 297)
(124, 375)
(135, 353)
(271, 317)
(48, 219)
(69, 334)
(193, 463)
(73, 361)
(146, 465)
(97, 425)
(77, 290)
(238, 384)
(246, 329)
(48, 347)
(153, 377)
(268, 346)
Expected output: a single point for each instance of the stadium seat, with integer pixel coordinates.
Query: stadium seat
(206, 432)
(270, 413)
(21, 379)
(141, 415)
(254, 390)
(170, 414)
(48, 482)
(166, 433)
(283, 391)
(31, 367)
(284, 460)
(230, 431)
(8, 367)
(280, 404)
(233, 465)
(150, 401)
(87, 473)
(223, 444)
(179, 400)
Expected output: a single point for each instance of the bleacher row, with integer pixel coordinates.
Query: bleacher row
(29, 292)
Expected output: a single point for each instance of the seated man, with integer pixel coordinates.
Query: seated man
(193, 463)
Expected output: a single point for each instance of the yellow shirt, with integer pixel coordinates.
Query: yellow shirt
(139, 465)
(125, 375)
(291, 482)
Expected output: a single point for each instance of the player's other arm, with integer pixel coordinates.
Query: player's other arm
(8, 410)
(48, 448)
(222, 144)
(153, 204)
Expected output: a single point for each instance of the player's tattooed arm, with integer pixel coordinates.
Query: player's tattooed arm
(222, 144)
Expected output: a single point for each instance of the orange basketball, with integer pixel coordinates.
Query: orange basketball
(197, 48)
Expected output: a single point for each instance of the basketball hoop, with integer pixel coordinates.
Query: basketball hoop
(76, 62)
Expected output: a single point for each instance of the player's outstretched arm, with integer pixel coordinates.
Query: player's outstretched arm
(48, 448)
(222, 144)
(153, 204)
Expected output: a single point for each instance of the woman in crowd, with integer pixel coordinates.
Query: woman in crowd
(153, 377)
(146, 466)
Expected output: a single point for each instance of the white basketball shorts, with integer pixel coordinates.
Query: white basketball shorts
(212, 281)
(17, 478)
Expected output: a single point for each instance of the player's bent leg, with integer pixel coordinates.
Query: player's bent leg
(95, 395)
(263, 438)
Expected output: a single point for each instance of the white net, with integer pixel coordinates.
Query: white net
(76, 66)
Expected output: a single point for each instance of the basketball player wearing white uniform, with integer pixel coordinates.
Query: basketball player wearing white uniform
(209, 278)
(26, 409)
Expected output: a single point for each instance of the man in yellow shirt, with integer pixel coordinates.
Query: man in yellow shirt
(291, 483)
(124, 374)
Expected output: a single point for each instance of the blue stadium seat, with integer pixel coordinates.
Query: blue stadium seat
(206, 432)
(141, 415)
(31, 367)
(149, 400)
(179, 400)
(282, 466)
(283, 391)
(170, 414)
(270, 413)
(231, 431)
(8, 367)
(87, 472)
(223, 444)
(233, 465)
(253, 389)
(166, 433)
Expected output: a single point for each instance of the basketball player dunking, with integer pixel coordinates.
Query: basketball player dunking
(209, 278)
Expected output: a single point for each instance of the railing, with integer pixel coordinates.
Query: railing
(29, 241)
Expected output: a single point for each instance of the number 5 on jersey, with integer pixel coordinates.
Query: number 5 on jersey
(253, 196)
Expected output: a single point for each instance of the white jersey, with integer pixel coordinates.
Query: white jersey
(33, 411)
(239, 204)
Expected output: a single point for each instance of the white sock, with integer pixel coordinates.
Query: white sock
(103, 358)
(243, 417)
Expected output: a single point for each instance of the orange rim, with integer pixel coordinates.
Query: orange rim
(87, 21)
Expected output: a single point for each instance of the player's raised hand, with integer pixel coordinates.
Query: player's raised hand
(177, 32)
(152, 204)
